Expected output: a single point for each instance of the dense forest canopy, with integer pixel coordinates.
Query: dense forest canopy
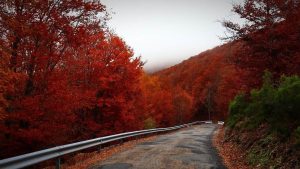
(66, 77)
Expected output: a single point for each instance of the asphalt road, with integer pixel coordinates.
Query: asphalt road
(185, 149)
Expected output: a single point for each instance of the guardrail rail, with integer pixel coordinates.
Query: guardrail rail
(57, 152)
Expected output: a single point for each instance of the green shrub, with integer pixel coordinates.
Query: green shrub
(286, 105)
(236, 110)
(257, 157)
(149, 123)
(287, 99)
(277, 105)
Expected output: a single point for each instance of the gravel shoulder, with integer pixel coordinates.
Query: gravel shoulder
(186, 149)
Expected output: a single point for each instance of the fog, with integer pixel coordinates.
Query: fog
(165, 32)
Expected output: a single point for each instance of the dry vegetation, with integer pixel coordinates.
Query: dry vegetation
(232, 156)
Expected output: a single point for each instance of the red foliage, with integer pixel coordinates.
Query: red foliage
(210, 80)
(73, 80)
(269, 38)
(155, 101)
(65, 78)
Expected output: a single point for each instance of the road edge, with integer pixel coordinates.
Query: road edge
(230, 154)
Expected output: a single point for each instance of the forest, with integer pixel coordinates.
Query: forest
(66, 77)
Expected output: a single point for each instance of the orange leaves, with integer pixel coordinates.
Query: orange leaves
(208, 82)
(162, 104)
(75, 80)
(183, 105)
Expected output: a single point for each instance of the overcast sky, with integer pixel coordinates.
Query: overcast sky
(165, 32)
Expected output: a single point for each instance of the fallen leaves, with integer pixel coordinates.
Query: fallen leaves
(232, 156)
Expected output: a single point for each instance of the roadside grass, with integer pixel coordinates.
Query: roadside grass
(259, 154)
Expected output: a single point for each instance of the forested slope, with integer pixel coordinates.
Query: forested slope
(210, 78)
(260, 63)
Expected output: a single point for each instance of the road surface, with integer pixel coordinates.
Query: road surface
(185, 149)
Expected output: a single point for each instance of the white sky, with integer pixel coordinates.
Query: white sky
(165, 32)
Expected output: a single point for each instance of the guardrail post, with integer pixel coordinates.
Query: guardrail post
(57, 163)
(99, 148)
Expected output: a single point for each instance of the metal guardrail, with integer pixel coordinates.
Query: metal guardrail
(56, 152)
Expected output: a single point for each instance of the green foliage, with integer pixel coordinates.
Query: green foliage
(149, 123)
(277, 105)
(260, 155)
(236, 109)
(286, 105)
(257, 157)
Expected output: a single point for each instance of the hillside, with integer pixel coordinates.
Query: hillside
(209, 78)
(261, 65)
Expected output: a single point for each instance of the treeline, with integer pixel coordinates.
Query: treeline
(65, 77)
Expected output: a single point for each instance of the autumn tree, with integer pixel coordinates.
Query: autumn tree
(156, 101)
(72, 79)
(206, 86)
(269, 35)
(6, 85)
(183, 105)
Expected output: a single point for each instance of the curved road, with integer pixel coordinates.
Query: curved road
(185, 149)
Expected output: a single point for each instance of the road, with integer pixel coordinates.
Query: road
(187, 148)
